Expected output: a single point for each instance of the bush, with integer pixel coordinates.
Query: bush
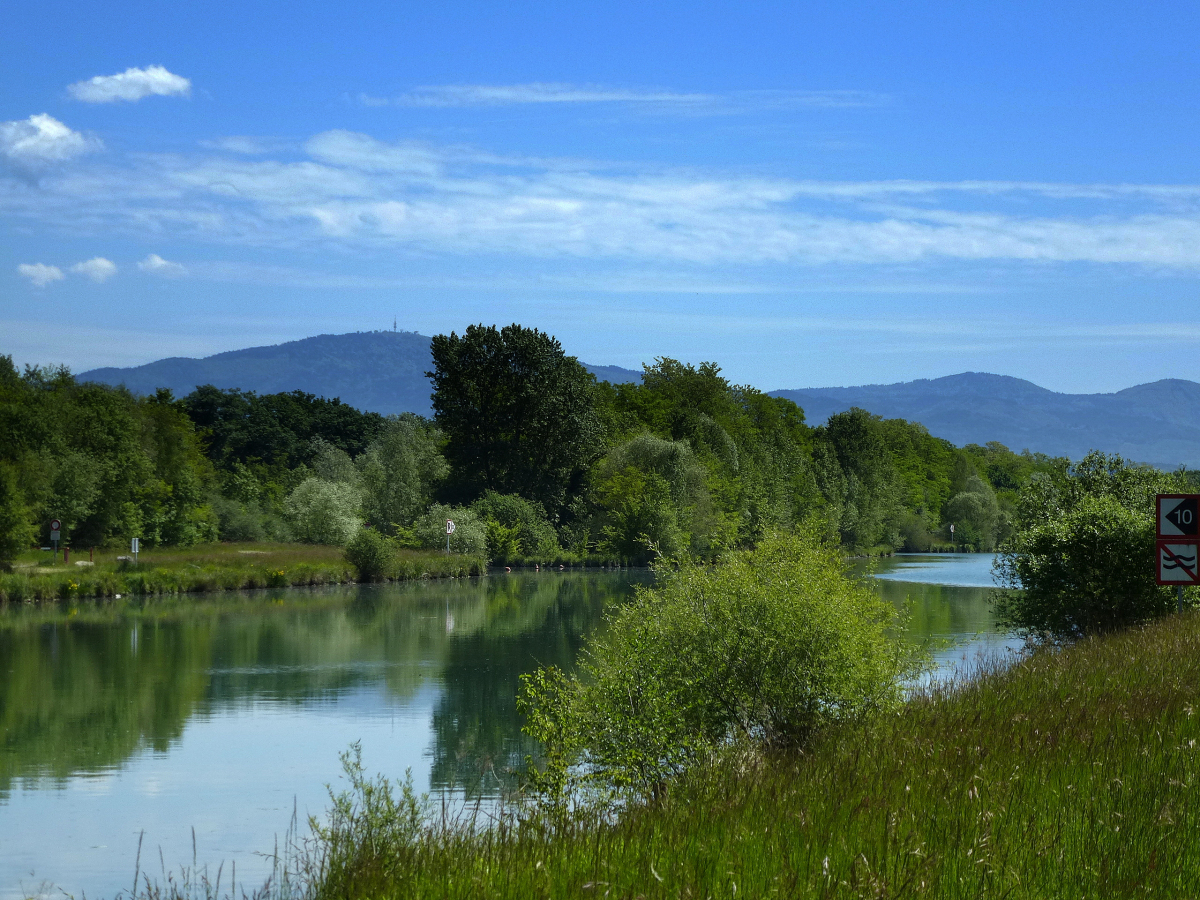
(768, 646)
(370, 553)
(515, 527)
(429, 531)
(1082, 558)
(324, 512)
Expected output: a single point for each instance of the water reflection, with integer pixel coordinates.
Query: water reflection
(948, 598)
(86, 688)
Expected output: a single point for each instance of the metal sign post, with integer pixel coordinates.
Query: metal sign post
(55, 533)
(133, 547)
(1178, 552)
(449, 531)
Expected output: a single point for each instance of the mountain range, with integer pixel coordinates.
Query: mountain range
(380, 371)
(384, 371)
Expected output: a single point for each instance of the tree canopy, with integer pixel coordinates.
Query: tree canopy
(518, 414)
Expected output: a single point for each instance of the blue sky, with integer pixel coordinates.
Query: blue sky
(809, 195)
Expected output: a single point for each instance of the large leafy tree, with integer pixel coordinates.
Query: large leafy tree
(520, 414)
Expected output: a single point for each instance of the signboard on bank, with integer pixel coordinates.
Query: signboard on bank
(1178, 520)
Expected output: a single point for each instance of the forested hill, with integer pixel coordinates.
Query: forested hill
(377, 371)
(384, 372)
(1154, 423)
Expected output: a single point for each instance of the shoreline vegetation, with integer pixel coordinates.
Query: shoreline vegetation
(1064, 772)
(212, 567)
(172, 571)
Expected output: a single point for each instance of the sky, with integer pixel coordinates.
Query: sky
(807, 194)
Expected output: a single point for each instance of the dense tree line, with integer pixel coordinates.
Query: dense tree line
(527, 452)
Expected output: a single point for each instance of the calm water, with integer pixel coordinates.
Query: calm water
(948, 597)
(228, 714)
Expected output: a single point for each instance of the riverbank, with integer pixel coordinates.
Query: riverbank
(1067, 773)
(209, 567)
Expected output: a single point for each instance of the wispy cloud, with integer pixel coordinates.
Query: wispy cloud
(40, 274)
(132, 84)
(156, 265)
(360, 194)
(41, 139)
(541, 93)
(98, 269)
(246, 145)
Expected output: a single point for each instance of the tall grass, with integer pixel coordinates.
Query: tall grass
(1072, 773)
(210, 567)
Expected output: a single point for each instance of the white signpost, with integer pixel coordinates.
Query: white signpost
(133, 547)
(55, 533)
(449, 531)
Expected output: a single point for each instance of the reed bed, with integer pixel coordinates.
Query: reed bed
(1065, 773)
(211, 567)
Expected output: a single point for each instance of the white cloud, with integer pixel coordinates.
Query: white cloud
(355, 193)
(41, 139)
(98, 269)
(245, 145)
(132, 84)
(40, 274)
(461, 95)
(156, 265)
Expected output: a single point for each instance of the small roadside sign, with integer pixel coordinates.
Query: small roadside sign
(449, 526)
(1178, 515)
(1177, 563)
(55, 525)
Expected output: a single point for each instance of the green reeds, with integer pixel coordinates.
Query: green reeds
(1072, 773)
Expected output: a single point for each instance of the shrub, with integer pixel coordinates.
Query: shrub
(1081, 560)
(429, 531)
(768, 646)
(324, 512)
(370, 553)
(515, 527)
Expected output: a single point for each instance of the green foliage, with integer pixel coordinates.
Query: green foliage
(518, 413)
(16, 533)
(1081, 560)
(358, 839)
(276, 429)
(370, 553)
(324, 512)
(768, 647)
(400, 471)
(872, 492)
(515, 528)
(653, 491)
(108, 465)
(429, 531)
(978, 522)
(1065, 774)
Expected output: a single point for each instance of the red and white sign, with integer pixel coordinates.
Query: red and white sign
(1177, 562)
(55, 525)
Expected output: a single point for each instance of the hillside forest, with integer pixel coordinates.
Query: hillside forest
(530, 455)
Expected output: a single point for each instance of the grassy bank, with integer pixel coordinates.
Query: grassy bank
(208, 567)
(1068, 774)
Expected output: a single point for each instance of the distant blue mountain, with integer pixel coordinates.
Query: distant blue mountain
(384, 371)
(1154, 423)
(381, 371)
